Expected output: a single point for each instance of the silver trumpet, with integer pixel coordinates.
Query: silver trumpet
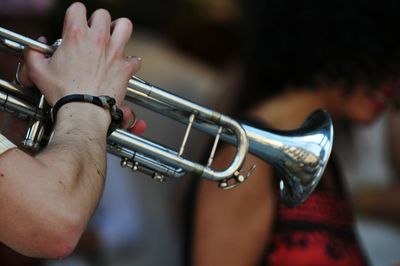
(300, 156)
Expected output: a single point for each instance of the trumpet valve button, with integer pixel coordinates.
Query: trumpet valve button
(223, 184)
(124, 162)
(159, 177)
(240, 178)
(135, 166)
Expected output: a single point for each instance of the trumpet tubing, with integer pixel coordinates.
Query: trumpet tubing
(300, 155)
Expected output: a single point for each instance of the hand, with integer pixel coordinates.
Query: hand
(90, 59)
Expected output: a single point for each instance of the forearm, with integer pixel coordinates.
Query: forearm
(59, 188)
(77, 151)
(379, 203)
(394, 133)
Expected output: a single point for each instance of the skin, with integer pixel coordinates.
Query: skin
(394, 124)
(383, 202)
(233, 227)
(47, 200)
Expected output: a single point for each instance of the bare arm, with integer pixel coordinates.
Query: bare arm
(394, 133)
(47, 200)
(387, 205)
(384, 202)
(232, 227)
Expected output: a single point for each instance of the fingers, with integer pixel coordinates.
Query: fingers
(75, 19)
(120, 30)
(101, 22)
(121, 33)
(135, 63)
(22, 77)
(34, 64)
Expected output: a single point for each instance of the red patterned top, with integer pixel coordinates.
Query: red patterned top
(318, 232)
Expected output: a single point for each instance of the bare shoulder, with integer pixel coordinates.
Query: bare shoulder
(258, 188)
(236, 221)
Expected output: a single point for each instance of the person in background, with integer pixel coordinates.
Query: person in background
(380, 198)
(370, 158)
(48, 199)
(298, 57)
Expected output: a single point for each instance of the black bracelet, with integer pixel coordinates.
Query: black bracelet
(106, 102)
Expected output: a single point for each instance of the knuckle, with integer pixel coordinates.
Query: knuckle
(102, 38)
(75, 31)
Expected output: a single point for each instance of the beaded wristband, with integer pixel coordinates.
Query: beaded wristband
(106, 102)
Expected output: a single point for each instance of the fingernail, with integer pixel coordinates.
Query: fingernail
(132, 122)
(42, 39)
(138, 58)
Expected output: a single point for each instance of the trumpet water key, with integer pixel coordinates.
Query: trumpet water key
(300, 156)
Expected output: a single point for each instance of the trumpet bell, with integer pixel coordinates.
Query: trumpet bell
(299, 156)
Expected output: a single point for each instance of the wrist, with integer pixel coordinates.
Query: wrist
(84, 116)
(104, 102)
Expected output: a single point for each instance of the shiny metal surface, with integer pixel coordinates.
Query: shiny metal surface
(300, 156)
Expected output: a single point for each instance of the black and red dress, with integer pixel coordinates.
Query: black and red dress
(318, 232)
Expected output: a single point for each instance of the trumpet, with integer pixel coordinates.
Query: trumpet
(300, 156)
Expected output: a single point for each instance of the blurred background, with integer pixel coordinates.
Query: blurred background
(191, 48)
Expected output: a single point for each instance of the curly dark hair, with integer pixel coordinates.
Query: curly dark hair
(298, 43)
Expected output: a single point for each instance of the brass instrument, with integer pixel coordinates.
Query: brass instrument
(300, 155)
